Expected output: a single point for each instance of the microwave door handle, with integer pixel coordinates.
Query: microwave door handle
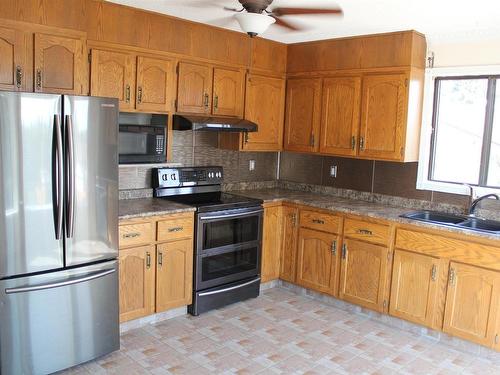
(57, 178)
(243, 214)
(70, 178)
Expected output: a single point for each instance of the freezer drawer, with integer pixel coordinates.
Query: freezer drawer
(54, 321)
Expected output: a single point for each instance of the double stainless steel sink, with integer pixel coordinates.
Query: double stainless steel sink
(456, 221)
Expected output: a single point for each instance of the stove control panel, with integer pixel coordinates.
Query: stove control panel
(187, 176)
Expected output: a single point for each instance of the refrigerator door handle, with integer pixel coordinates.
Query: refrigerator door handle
(57, 178)
(70, 178)
(33, 288)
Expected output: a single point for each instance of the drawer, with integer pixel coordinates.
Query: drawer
(175, 228)
(367, 231)
(136, 234)
(320, 221)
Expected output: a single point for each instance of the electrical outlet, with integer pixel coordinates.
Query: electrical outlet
(333, 171)
(251, 165)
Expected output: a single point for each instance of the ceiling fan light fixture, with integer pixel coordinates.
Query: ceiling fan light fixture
(254, 23)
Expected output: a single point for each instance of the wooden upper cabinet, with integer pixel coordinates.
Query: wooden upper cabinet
(113, 75)
(194, 89)
(472, 304)
(364, 271)
(228, 92)
(265, 105)
(174, 275)
(155, 84)
(137, 282)
(271, 243)
(418, 288)
(302, 114)
(340, 116)
(289, 245)
(383, 116)
(14, 60)
(317, 261)
(59, 63)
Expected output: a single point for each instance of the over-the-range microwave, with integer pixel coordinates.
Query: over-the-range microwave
(143, 141)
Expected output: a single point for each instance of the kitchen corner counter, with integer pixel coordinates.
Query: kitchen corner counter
(354, 207)
(145, 207)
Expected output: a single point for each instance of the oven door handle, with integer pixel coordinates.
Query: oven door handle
(241, 214)
(230, 288)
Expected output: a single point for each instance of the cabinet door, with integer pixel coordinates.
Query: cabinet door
(113, 75)
(229, 89)
(137, 282)
(155, 84)
(364, 274)
(271, 243)
(174, 276)
(317, 261)
(289, 245)
(14, 60)
(265, 105)
(194, 88)
(340, 116)
(302, 114)
(383, 116)
(418, 288)
(59, 64)
(472, 304)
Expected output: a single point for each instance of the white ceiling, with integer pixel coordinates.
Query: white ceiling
(442, 21)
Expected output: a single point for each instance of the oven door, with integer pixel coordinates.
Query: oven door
(228, 246)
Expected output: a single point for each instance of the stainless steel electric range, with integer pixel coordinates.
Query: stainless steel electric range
(228, 235)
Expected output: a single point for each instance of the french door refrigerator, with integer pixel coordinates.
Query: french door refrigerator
(58, 231)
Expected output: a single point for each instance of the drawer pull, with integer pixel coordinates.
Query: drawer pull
(365, 231)
(176, 229)
(318, 221)
(131, 235)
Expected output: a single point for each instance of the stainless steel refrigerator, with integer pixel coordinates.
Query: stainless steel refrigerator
(58, 231)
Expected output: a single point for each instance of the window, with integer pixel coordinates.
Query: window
(461, 130)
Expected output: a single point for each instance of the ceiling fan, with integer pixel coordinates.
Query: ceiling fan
(254, 17)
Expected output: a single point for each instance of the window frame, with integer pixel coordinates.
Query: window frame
(432, 77)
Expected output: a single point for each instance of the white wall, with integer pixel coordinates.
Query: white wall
(467, 53)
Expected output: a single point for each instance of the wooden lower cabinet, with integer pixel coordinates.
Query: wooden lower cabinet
(137, 282)
(271, 243)
(364, 272)
(418, 288)
(473, 304)
(317, 261)
(289, 245)
(174, 274)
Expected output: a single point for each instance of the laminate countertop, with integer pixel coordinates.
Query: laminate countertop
(144, 207)
(354, 207)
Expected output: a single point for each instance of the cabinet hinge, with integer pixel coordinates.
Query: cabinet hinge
(175, 104)
(177, 69)
(90, 56)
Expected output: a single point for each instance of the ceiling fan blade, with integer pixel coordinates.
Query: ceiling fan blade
(283, 11)
(234, 9)
(286, 24)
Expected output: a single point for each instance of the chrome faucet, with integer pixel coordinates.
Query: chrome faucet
(475, 202)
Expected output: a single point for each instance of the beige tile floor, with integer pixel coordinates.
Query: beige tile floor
(281, 333)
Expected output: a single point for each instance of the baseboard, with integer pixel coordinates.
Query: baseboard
(152, 319)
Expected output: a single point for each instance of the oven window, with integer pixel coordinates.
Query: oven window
(228, 264)
(230, 231)
(133, 143)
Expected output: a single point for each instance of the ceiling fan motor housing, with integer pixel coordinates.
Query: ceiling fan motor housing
(255, 6)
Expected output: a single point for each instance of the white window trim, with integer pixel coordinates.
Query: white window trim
(423, 182)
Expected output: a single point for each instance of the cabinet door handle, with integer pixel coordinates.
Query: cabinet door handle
(160, 259)
(452, 276)
(433, 272)
(139, 95)
(205, 100)
(365, 231)
(344, 251)
(311, 140)
(216, 102)
(127, 93)
(353, 142)
(294, 220)
(176, 229)
(148, 260)
(131, 235)
(334, 247)
(318, 221)
(362, 143)
(38, 83)
(19, 76)
(246, 137)
(497, 339)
